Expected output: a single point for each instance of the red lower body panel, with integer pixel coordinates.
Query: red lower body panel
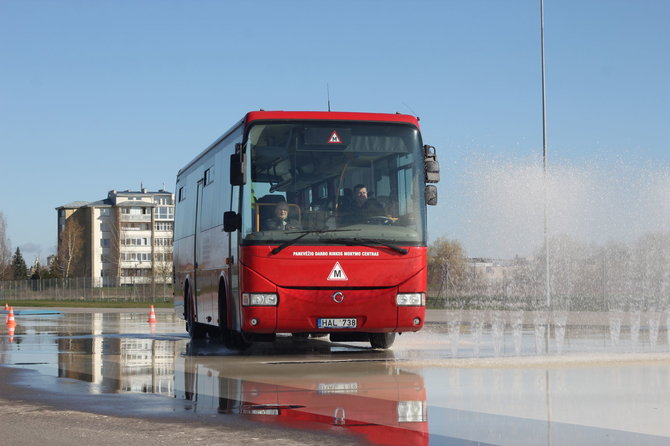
(259, 319)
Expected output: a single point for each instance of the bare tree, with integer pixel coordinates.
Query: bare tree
(163, 266)
(111, 256)
(70, 247)
(5, 250)
(446, 266)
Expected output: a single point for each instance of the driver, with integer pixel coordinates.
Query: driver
(362, 207)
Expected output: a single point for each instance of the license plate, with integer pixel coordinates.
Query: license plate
(343, 322)
(326, 388)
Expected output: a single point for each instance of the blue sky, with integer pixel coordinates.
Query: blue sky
(101, 95)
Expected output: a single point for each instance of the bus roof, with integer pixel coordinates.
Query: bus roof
(280, 115)
(328, 116)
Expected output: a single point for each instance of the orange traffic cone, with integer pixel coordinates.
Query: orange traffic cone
(10, 330)
(152, 316)
(11, 322)
(6, 307)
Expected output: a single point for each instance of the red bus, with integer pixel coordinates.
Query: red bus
(308, 223)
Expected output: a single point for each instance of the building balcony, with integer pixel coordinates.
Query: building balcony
(134, 230)
(135, 264)
(134, 217)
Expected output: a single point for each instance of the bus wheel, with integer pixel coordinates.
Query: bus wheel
(231, 339)
(194, 329)
(382, 340)
(235, 340)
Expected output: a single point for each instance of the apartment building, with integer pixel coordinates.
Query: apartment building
(124, 239)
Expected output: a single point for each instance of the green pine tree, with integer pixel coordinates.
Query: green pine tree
(19, 266)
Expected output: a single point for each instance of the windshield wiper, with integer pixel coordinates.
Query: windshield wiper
(288, 243)
(369, 243)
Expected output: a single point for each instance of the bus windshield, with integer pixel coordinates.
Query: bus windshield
(333, 182)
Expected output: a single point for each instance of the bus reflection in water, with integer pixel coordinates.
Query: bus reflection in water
(345, 255)
(370, 398)
(384, 404)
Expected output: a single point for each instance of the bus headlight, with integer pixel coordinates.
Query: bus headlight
(412, 411)
(411, 299)
(259, 299)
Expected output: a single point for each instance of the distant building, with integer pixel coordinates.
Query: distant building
(488, 270)
(125, 239)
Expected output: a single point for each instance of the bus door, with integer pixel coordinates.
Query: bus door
(197, 247)
(233, 263)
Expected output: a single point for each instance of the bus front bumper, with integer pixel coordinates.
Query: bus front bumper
(314, 311)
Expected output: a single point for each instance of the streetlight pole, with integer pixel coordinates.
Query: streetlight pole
(544, 160)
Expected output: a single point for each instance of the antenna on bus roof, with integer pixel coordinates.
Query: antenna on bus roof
(328, 94)
(410, 109)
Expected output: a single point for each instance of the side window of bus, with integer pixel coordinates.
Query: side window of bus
(212, 208)
(185, 209)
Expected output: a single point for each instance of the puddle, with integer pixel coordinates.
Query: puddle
(492, 381)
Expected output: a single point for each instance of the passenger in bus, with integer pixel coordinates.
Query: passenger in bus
(280, 221)
(361, 208)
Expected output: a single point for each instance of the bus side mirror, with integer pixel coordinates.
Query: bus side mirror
(430, 165)
(231, 221)
(431, 195)
(238, 171)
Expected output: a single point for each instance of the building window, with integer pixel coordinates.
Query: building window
(104, 242)
(181, 195)
(164, 226)
(161, 241)
(163, 200)
(163, 257)
(135, 241)
(134, 211)
(165, 212)
(136, 257)
(135, 227)
(105, 211)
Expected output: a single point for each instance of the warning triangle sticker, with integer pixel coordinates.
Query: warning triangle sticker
(334, 138)
(337, 273)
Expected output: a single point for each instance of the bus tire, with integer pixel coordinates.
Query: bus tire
(382, 340)
(235, 340)
(231, 339)
(194, 329)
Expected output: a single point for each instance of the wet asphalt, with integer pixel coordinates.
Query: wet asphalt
(82, 376)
